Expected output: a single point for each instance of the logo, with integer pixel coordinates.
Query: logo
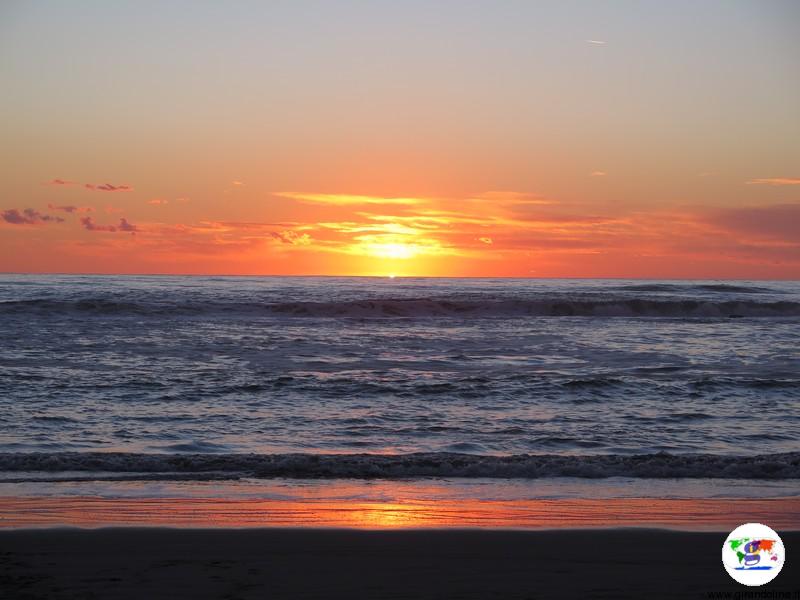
(753, 554)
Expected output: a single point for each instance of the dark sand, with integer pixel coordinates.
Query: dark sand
(318, 563)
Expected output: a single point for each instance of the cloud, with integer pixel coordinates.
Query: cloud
(492, 229)
(511, 198)
(291, 237)
(251, 227)
(70, 209)
(163, 201)
(509, 221)
(125, 226)
(89, 224)
(596, 42)
(235, 182)
(776, 222)
(28, 216)
(100, 187)
(107, 187)
(598, 174)
(346, 199)
(775, 181)
(489, 200)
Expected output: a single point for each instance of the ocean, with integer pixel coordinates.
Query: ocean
(255, 379)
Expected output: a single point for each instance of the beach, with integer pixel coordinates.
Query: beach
(330, 563)
(429, 541)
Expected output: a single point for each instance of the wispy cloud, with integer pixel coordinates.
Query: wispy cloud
(70, 209)
(596, 42)
(98, 187)
(158, 201)
(346, 199)
(455, 226)
(775, 181)
(107, 187)
(291, 237)
(28, 216)
(598, 174)
(511, 198)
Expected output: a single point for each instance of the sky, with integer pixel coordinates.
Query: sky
(564, 138)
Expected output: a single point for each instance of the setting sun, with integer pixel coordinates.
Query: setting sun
(395, 250)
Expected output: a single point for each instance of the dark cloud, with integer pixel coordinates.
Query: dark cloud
(100, 187)
(70, 209)
(107, 187)
(777, 221)
(125, 226)
(89, 224)
(28, 216)
(67, 209)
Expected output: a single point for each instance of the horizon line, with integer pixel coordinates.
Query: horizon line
(319, 276)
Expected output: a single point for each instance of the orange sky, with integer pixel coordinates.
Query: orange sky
(488, 234)
(551, 139)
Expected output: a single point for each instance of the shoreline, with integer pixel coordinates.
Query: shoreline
(336, 563)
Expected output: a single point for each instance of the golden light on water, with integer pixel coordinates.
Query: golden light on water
(711, 514)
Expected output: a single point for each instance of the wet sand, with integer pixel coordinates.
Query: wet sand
(336, 563)
(398, 512)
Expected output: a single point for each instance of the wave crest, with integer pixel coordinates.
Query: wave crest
(425, 307)
(380, 466)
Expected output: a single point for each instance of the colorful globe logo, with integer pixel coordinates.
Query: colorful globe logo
(753, 554)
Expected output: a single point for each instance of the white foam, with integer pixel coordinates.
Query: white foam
(431, 464)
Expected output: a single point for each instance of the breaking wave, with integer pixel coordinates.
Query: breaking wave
(423, 307)
(101, 466)
(701, 287)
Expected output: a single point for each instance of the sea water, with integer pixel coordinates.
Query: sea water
(160, 377)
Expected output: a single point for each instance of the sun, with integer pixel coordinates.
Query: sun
(384, 255)
(396, 250)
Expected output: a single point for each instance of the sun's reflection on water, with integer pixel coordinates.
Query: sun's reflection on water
(690, 513)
